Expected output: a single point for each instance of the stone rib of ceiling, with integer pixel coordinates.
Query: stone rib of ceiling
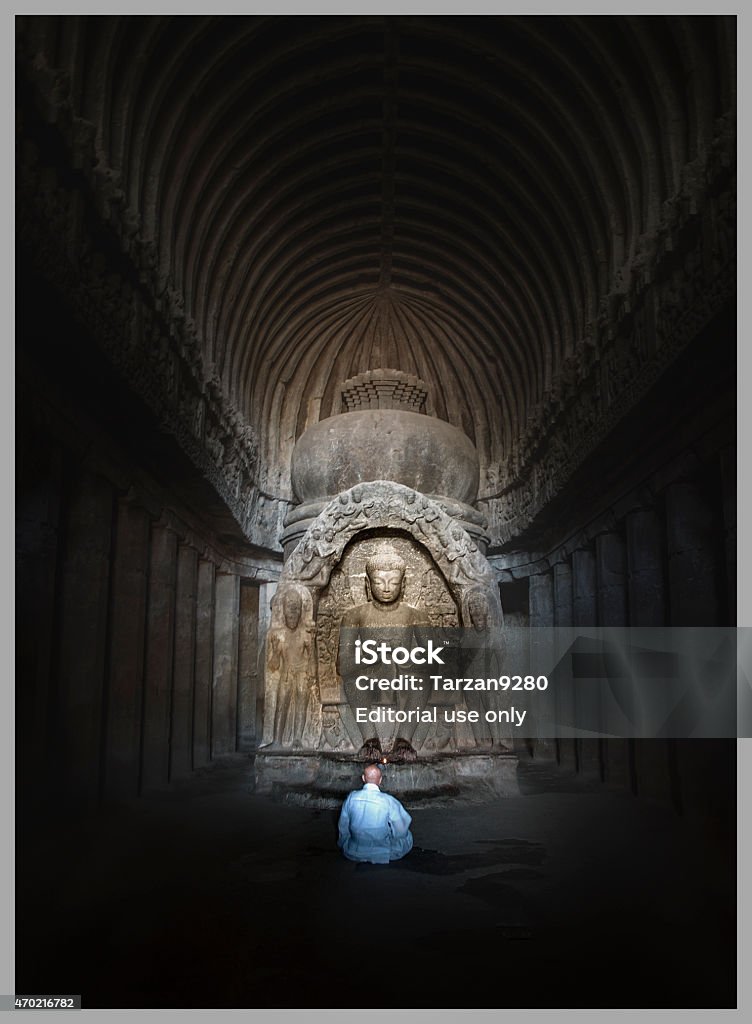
(452, 197)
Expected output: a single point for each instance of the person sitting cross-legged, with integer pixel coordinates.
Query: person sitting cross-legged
(374, 826)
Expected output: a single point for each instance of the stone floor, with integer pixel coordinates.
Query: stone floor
(207, 895)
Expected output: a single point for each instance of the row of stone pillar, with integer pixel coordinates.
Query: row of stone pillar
(148, 665)
(669, 563)
(666, 564)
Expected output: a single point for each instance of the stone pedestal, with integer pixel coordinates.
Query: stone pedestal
(324, 780)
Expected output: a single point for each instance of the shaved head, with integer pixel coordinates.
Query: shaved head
(372, 773)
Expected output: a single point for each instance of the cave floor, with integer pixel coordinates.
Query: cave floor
(207, 895)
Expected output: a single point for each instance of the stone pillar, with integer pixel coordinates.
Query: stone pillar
(645, 568)
(130, 570)
(82, 654)
(181, 736)
(647, 607)
(563, 605)
(584, 602)
(160, 637)
(266, 593)
(249, 728)
(693, 567)
(611, 575)
(728, 484)
(585, 613)
(204, 665)
(225, 688)
(541, 600)
(39, 478)
(563, 616)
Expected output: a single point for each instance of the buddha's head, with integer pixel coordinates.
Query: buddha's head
(385, 577)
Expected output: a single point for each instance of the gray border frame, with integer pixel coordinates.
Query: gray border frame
(7, 416)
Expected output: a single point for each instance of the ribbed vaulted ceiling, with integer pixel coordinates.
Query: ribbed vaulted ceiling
(447, 196)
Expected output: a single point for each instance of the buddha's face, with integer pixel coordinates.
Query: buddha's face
(386, 585)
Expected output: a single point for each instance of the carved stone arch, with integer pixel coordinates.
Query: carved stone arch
(384, 505)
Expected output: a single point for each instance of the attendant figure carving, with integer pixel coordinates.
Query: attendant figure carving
(290, 671)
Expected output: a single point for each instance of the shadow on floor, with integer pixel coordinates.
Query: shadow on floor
(210, 896)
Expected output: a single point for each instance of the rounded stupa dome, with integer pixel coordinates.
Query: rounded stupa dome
(420, 451)
(383, 433)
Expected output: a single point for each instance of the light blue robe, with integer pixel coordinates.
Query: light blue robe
(374, 827)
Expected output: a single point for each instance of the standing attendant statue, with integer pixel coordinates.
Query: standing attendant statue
(490, 643)
(289, 670)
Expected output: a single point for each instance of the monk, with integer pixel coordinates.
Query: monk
(373, 826)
